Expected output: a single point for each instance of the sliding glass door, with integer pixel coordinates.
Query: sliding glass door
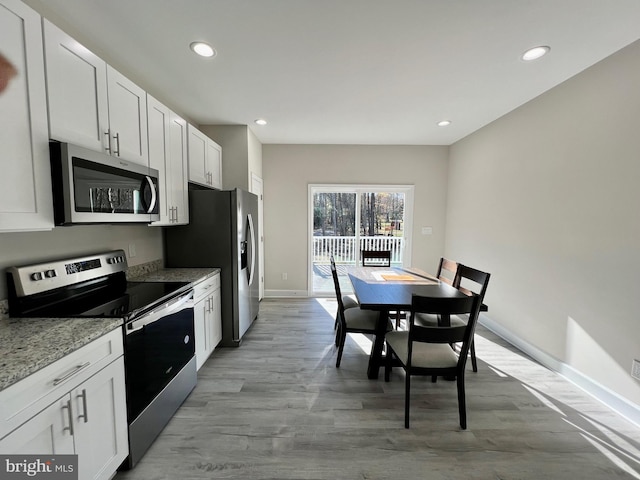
(345, 219)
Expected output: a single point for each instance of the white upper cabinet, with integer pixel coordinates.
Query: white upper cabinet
(179, 167)
(127, 118)
(90, 103)
(25, 181)
(77, 91)
(214, 159)
(168, 154)
(205, 159)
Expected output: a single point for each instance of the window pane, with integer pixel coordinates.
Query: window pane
(334, 214)
(382, 214)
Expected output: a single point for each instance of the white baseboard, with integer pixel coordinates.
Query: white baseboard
(619, 404)
(285, 293)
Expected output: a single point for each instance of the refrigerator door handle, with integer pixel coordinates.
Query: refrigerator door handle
(252, 235)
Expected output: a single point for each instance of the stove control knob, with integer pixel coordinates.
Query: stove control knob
(50, 273)
(36, 276)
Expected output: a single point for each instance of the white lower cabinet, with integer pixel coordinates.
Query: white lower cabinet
(86, 410)
(46, 433)
(207, 318)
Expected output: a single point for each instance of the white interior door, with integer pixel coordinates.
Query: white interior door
(256, 188)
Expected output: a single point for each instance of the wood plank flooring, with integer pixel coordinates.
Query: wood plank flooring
(277, 408)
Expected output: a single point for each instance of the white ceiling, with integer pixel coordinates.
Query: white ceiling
(348, 71)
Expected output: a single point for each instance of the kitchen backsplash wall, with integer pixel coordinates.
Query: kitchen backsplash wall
(23, 248)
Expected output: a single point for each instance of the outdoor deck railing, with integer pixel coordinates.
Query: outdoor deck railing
(344, 248)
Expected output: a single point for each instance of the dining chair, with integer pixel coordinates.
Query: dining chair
(381, 258)
(347, 300)
(469, 281)
(447, 270)
(352, 320)
(427, 351)
(376, 258)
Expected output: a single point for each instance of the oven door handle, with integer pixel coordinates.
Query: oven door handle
(167, 309)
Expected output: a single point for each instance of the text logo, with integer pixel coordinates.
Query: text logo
(50, 467)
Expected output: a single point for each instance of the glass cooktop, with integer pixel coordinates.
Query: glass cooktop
(113, 302)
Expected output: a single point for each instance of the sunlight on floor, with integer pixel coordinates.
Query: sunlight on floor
(361, 340)
(538, 381)
(611, 444)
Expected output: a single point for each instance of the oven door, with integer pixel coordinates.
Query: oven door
(91, 187)
(157, 346)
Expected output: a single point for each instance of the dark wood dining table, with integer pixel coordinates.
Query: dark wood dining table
(386, 289)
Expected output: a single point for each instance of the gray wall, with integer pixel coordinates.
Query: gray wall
(546, 199)
(289, 169)
(31, 247)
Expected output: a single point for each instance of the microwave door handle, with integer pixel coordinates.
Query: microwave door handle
(152, 187)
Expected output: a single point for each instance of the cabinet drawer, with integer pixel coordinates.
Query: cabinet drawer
(24, 399)
(205, 287)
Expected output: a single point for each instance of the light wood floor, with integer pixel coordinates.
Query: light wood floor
(277, 408)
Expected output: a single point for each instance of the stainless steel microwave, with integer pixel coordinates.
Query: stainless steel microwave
(92, 187)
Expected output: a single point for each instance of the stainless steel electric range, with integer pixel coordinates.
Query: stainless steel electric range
(158, 330)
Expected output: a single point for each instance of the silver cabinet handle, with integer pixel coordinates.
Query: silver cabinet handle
(176, 219)
(85, 415)
(171, 215)
(108, 147)
(70, 416)
(117, 138)
(70, 373)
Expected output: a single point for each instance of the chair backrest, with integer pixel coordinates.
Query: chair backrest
(436, 334)
(447, 270)
(336, 285)
(376, 258)
(470, 280)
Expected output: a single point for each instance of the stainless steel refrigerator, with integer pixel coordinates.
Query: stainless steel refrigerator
(222, 232)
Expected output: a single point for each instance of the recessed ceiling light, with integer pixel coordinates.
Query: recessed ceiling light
(444, 123)
(203, 49)
(535, 53)
(260, 121)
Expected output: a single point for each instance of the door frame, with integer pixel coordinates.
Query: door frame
(313, 188)
(257, 188)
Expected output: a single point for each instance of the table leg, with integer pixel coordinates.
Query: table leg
(375, 359)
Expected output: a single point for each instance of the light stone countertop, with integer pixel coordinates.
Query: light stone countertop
(29, 344)
(194, 275)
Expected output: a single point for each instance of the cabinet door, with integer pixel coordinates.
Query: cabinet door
(200, 332)
(216, 319)
(77, 91)
(179, 174)
(25, 182)
(127, 118)
(100, 422)
(198, 171)
(214, 162)
(47, 433)
(159, 151)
